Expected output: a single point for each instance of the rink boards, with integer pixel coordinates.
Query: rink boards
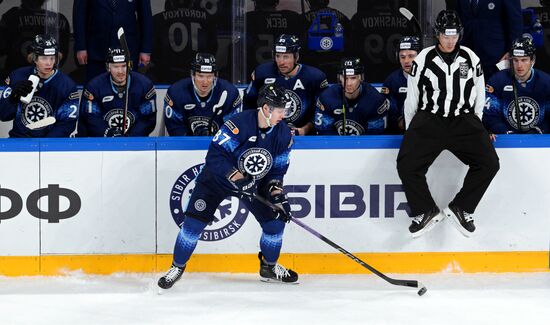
(107, 205)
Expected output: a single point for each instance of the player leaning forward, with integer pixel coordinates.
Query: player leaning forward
(443, 110)
(250, 153)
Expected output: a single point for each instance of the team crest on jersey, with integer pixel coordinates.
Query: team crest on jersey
(229, 217)
(201, 122)
(295, 110)
(256, 162)
(463, 68)
(36, 110)
(529, 112)
(115, 117)
(352, 127)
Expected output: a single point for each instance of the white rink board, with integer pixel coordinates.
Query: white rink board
(126, 195)
(117, 191)
(19, 236)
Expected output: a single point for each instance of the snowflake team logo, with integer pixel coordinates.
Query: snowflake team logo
(36, 110)
(529, 112)
(295, 110)
(228, 218)
(352, 127)
(326, 43)
(256, 162)
(114, 118)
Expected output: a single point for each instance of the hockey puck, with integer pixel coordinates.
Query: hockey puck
(422, 291)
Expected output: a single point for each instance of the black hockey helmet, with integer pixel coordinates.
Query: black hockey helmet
(44, 45)
(116, 55)
(351, 67)
(317, 4)
(409, 43)
(273, 96)
(287, 43)
(448, 23)
(175, 4)
(523, 46)
(204, 63)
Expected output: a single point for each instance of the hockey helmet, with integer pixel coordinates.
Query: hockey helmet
(409, 43)
(287, 43)
(204, 63)
(273, 96)
(44, 45)
(116, 55)
(351, 67)
(448, 23)
(523, 46)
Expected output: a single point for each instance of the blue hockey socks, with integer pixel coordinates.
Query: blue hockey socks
(187, 240)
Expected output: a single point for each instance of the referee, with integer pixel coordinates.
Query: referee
(443, 109)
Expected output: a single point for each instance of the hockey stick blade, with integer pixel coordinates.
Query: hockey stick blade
(410, 17)
(221, 102)
(405, 283)
(41, 123)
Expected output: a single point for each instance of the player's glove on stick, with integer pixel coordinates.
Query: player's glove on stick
(245, 186)
(281, 200)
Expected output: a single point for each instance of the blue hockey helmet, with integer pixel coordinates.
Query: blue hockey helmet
(287, 43)
(409, 43)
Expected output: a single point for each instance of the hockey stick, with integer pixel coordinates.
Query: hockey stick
(47, 121)
(124, 46)
(411, 18)
(405, 283)
(217, 111)
(344, 103)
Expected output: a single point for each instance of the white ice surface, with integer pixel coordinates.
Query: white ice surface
(241, 299)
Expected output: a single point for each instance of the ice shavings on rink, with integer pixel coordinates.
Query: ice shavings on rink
(206, 298)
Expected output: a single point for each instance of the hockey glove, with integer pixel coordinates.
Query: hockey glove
(21, 89)
(113, 132)
(283, 213)
(245, 186)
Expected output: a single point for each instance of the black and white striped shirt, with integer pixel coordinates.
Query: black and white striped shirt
(443, 89)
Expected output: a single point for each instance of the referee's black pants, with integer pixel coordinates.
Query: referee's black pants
(427, 136)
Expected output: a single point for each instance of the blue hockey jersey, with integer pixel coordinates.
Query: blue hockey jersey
(304, 88)
(102, 107)
(395, 89)
(499, 114)
(241, 145)
(367, 114)
(56, 96)
(187, 114)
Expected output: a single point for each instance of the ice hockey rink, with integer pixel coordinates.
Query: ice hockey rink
(221, 298)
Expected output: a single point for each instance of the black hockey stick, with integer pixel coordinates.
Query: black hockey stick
(344, 103)
(516, 101)
(405, 283)
(124, 46)
(411, 18)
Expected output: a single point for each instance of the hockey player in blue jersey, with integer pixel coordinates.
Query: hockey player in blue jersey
(53, 109)
(303, 83)
(199, 105)
(532, 88)
(352, 107)
(250, 153)
(104, 97)
(395, 85)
